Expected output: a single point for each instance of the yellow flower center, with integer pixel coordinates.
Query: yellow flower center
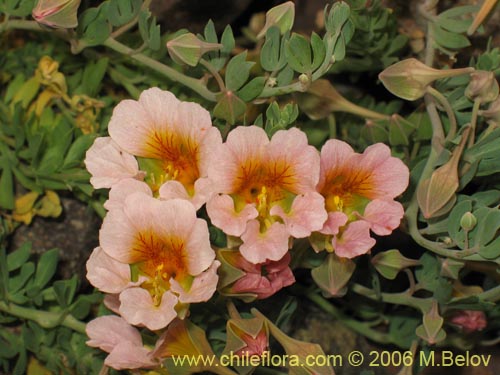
(170, 156)
(160, 259)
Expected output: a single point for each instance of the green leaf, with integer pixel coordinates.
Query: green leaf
(454, 227)
(319, 50)
(270, 53)
(149, 30)
(92, 77)
(285, 76)
(17, 258)
(122, 11)
(238, 71)
(65, 291)
(448, 39)
(229, 107)
(487, 226)
(18, 8)
(4, 274)
(210, 33)
(18, 281)
(252, 89)
(298, 53)
(93, 25)
(46, 267)
(227, 40)
(454, 19)
(77, 151)
(7, 200)
(491, 251)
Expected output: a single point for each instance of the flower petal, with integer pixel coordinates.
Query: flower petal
(202, 288)
(107, 331)
(137, 308)
(106, 273)
(258, 247)
(243, 148)
(221, 211)
(126, 355)
(290, 147)
(306, 215)
(200, 254)
(383, 216)
(354, 241)
(108, 164)
(121, 190)
(336, 219)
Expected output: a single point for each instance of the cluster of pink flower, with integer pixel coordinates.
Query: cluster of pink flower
(164, 160)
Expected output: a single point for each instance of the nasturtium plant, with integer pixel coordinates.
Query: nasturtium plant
(235, 178)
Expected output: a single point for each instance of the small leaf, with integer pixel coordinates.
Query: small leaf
(252, 89)
(46, 267)
(229, 107)
(17, 258)
(448, 39)
(238, 71)
(298, 53)
(319, 50)
(122, 11)
(7, 200)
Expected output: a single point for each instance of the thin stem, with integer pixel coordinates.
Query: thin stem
(170, 73)
(123, 29)
(473, 121)
(449, 111)
(403, 298)
(45, 319)
(359, 327)
(214, 74)
(437, 127)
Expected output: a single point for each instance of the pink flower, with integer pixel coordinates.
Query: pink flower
(173, 140)
(470, 320)
(266, 191)
(108, 164)
(359, 192)
(263, 279)
(122, 341)
(169, 250)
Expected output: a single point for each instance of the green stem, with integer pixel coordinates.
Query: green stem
(288, 89)
(421, 304)
(473, 121)
(172, 74)
(214, 74)
(359, 327)
(43, 318)
(437, 248)
(449, 111)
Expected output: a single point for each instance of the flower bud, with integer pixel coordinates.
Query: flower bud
(188, 49)
(333, 275)
(409, 78)
(389, 263)
(469, 320)
(57, 13)
(482, 86)
(431, 330)
(282, 16)
(468, 221)
(246, 337)
(436, 194)
(492, 114)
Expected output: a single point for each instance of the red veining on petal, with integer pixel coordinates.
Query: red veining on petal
(179, 154)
